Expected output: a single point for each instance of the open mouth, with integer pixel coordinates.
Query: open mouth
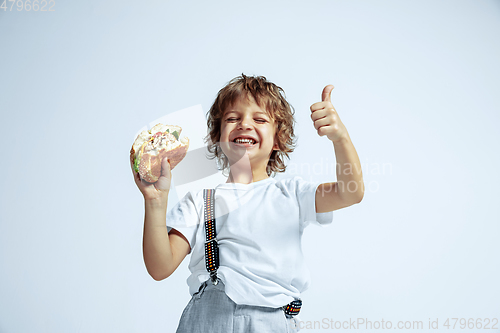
(245, 142)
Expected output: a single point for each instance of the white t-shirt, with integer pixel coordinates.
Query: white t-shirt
(259, 230)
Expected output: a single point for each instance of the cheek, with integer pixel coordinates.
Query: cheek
(225, 134)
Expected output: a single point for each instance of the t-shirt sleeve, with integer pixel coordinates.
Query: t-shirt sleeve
(306, 196)
(184, 217)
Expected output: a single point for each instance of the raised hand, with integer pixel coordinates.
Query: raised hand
(156, 191)
(326, 120)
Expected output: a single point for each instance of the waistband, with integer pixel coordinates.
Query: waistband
(290, 309)
(208, 284)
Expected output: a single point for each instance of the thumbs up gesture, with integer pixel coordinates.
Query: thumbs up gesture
(325, 118)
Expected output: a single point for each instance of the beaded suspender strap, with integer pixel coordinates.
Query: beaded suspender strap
(292, 308)
(212, 249)
(211, 246)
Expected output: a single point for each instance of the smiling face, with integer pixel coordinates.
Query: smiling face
(245, 119)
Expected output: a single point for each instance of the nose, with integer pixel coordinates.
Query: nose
(245, 123)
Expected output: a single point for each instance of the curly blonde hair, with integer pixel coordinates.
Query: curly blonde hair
(267, 95)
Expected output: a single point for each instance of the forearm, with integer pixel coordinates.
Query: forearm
(156, 244)
(349, 174)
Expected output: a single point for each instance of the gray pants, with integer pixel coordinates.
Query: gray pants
(210, 310)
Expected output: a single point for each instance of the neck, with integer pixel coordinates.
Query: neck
(244, 172)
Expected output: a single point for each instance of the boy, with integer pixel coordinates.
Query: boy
(259, 221)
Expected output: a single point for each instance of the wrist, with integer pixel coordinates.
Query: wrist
(342, 140)
(155, 203)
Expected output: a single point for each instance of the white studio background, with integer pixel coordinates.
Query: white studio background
(416, 84)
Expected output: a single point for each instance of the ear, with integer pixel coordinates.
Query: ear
(276, 145)
(276, 139)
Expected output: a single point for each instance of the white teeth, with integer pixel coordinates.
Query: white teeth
(245, 141)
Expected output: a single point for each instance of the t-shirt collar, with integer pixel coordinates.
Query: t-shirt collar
(241, 186)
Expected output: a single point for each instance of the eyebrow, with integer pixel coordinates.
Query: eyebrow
(236, 111)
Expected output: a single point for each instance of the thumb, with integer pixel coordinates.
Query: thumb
(165, 168)
(327, 91)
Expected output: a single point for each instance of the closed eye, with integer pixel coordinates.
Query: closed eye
(258, 120)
